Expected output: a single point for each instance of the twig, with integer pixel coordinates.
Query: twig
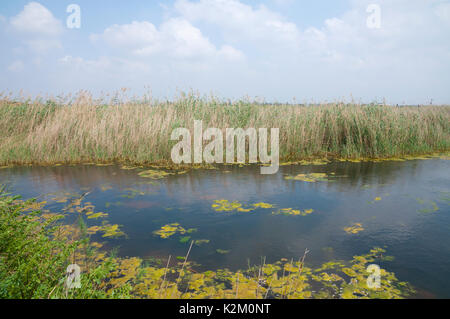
(182, 267)
(237, 284)
(165, 273)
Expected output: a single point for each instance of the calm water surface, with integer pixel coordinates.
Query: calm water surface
(410, 219)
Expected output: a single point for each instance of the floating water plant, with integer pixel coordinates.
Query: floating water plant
(169, 230)
(200, 242)
(311, 177)
(316, 162)
(263, 205)
(184, 239)
(154, 174)
(31, 205)
(111, 230)
(434, 207)
(293, 212)
(107, 229)
(132, 193)
(92, 215)
(134, 278)
(354, 229)
(223, 205)
(126, 167)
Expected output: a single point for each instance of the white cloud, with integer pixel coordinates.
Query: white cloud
(38, 28)
(176, 38)
(132, 36)
(241, 22)
(230, 53)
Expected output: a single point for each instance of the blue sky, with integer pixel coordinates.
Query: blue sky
(272, 49)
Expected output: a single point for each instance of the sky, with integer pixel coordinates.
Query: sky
(396, 51)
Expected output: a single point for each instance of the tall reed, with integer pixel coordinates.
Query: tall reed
(85, 130)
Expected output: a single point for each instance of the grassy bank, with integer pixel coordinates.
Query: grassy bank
(37, 247)
(88, 131)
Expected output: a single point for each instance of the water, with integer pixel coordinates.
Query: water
(410, 219)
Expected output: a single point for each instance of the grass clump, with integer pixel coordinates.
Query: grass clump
(35, 254)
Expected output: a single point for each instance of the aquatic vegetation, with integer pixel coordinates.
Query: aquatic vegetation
(223, 205)
(96, 244)
(92, 215)
(354, 228)
(126, 167)
(26, 257)
(132, 193)
(434, 207)
(311, 177)
(111, 230)
(315, 162)
(222, 251)
(126, 271)
(154, 174)
(62, 199)
(377, 198)
(199, 242)
(263, 205)
(293, 212)
(169, 230)
(288, 280)
(107, 229)
(394, 159)
(184, 239)
(31, 205)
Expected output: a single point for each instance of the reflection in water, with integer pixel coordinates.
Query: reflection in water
(401, 205)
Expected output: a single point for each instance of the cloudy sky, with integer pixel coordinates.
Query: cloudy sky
(322, 50)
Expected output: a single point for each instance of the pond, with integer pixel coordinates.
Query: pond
(236, 216)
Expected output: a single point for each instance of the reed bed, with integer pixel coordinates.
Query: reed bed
(138, 132)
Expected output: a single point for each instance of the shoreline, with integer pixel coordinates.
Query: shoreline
(315, 161)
